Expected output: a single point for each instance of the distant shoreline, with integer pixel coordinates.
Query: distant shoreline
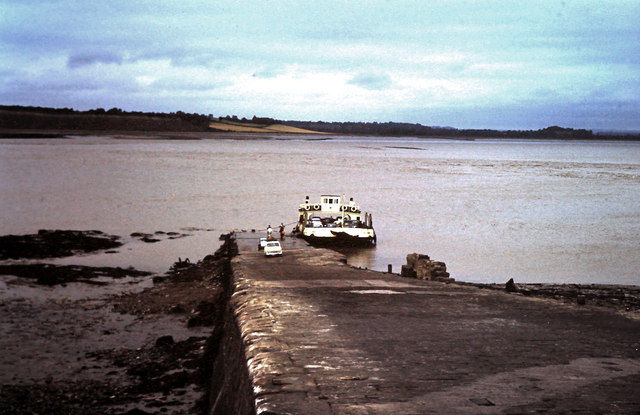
(26, 134)
(34, 122)
(122, 134)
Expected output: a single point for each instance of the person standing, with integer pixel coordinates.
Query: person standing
(281, 230)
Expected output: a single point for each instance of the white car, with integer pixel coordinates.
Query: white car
(262, 243)
(272, 248)
(316, 222)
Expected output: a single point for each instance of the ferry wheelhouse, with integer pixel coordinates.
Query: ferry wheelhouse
(332, 221)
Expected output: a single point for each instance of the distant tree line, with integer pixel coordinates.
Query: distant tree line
(394, 129)
(25, 117)
(254, 120)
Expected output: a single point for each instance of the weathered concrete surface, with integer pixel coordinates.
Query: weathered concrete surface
(323, 338)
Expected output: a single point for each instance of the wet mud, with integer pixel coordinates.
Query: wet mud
(118, 348)
(51, 274)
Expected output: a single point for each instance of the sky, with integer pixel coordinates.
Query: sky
(503, 64)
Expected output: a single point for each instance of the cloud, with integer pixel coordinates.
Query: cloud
(336, 60)
(267, 72)
(195, 82)
(371, 81)
(90, 58)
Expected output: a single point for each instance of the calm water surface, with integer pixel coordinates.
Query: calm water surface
(492, 210)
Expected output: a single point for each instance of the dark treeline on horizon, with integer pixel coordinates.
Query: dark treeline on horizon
(417, 130)
(25, 117)
(395, 129)
(30, 117)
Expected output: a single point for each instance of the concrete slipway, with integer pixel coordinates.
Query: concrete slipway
(320, 337)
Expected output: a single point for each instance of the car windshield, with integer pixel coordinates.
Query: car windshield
(273, 244)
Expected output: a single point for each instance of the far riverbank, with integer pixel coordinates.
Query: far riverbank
(19, 117)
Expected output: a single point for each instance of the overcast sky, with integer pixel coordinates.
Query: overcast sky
(467, 64)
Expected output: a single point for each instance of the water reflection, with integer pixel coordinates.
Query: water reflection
(360, 257)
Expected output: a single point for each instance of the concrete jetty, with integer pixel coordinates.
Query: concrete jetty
(319, 337)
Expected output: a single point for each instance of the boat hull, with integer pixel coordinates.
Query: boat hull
(340, 238)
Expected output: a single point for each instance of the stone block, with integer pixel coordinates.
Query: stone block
(407, 272)
(437, 264)
(422, 267)
(413, 258)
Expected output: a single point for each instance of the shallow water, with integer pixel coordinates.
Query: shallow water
(535, 211)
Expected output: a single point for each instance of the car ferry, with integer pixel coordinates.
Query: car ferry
(332, 221)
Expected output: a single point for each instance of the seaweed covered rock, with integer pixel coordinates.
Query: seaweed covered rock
(52, 274)
(510, 286)
(55, 244)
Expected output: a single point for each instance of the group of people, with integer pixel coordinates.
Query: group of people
(270, 231)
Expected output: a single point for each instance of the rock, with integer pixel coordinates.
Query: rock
(149, 240)
(137, 411)
(511, 286)
(422, 267)
(482, 401)
(204, 316)
(407, 272)
(164, 341)
(581, 299)
(49, 279)
(55, 243)
(413, 258)
(177, 309)
(51, 274)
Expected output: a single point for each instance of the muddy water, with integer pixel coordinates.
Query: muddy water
(492, 210)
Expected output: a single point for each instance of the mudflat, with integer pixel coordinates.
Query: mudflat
(96, 340)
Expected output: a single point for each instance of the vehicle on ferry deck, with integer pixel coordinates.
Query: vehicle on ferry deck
(272, 248)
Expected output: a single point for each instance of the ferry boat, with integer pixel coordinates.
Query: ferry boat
(332, 221)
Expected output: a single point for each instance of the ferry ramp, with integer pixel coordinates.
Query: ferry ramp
(320, 337)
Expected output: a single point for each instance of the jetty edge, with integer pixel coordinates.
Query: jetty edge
(307, 334)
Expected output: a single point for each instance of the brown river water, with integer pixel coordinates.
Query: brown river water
(535, 211)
